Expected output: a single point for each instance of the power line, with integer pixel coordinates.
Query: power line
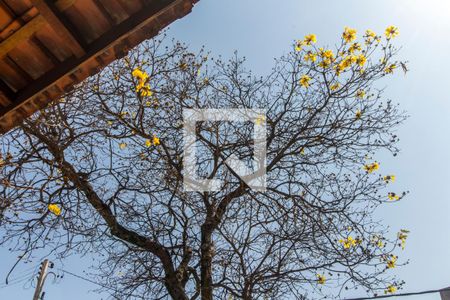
(95, 282)
(87, 279)
(360, 298)
(402, 294)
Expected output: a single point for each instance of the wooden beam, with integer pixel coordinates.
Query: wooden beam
(62, 5)
(105, 13)
(7, 92)
(24, 33)
(53, 16)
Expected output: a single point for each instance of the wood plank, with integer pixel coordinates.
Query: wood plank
(24, 33)
(18, 23)
(62, 5)
(7, 92)
(18, 6)
(105, 13)
(54, 18)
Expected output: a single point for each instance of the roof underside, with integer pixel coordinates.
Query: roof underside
(47, 46)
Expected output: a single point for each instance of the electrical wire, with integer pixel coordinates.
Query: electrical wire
(86, 279)
(360, 298)
(402, 294)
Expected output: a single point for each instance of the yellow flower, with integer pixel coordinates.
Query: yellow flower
(260, 120)
(335, 86)
(349, 35)
(140, 75)
(328, 54)
(310, 39)
(349, 242)
(391, 262)
(156, 141)
(371, 167)
(390, 289)
(358, 114)
(327, 57)
(390, 69)
(370, 35)
(361, 60)
(380, 243)
(183, 66)
(325, 63)
(148, 143)
(393, 196)
(389, 178)
(321, 279)
(310, 57)
(55, 209)
(145, 91)
(402, 235)
(354, 47)
(302, 151)
(304, 81)
(391, 32)
(339, 68)
(122, 145)
(360, 94)
(348, 61)
(299, 45)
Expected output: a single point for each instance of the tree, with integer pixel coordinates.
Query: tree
(100, 172)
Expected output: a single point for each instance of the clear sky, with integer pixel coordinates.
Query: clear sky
(264, 29)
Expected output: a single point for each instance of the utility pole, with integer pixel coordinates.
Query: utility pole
(445, 294)
(41, 279)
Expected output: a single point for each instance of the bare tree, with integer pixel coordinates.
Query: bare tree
(99, 172)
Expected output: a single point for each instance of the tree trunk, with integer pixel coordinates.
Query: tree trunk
(206, 262)
(174, 287)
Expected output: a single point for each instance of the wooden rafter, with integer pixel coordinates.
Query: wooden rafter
(24, 33)
(53, 16)
(7, 92)
(62, 5)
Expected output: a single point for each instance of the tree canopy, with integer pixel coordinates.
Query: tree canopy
(100, 172)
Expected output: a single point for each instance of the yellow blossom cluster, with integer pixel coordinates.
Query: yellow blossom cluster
(360, 94)
(371, 167)
(391, 32)
(321, 279)
(378, 241)
(260, 120)
(402, 236)
(393, 196)
(55, 209)
(335, 86)
(304, 81)
(143, 88)
(390, 262)
(350, 242)
(153, 142)
(349, 34)
(389, 178)
(390, 69)
(390, 289)
(327, 56)
(308, 40)
(310, 56)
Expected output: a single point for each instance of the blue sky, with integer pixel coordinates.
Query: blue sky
(264, 29)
